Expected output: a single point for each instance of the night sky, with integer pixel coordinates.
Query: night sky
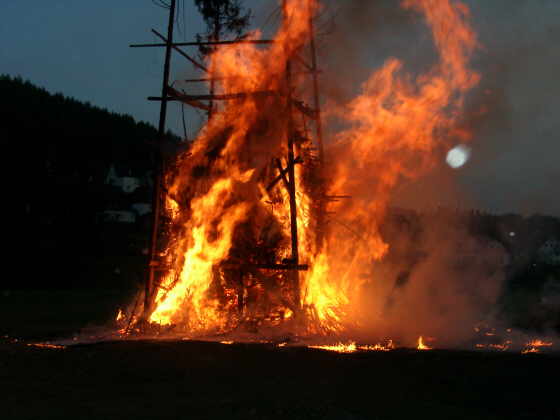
(80, 48)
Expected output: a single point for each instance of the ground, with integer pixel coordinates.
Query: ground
(200, 380)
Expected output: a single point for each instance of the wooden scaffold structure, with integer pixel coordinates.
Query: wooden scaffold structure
(310, 114)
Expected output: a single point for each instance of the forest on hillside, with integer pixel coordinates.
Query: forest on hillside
(59, 151)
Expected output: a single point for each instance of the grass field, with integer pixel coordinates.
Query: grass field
(200, 380)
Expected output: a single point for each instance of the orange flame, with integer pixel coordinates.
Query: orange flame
(338, 348)
(352, 347)
(120, 315)
(379, 347)
(535, 345)
(394, 128)
(421, 345)
(199, 259)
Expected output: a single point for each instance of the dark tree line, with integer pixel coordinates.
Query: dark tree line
(57, 152)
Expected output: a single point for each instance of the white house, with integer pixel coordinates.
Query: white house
(127, 183)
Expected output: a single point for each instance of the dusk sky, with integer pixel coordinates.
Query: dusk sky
(80, 48)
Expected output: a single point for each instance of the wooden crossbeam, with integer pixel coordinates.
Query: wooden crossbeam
(282, 174)
(193, 44)
(175, 95)
(180, 51)
(296, 267)
(305, 109)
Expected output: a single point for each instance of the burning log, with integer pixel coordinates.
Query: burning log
(194, 100)
(300, 267)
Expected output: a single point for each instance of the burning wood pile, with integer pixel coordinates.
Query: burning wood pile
(267, 227)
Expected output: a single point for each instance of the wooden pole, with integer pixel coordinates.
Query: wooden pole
(215, 38)
(180, 51)
(321, 219)
(315, 75)
(292, 179)
(158, 170)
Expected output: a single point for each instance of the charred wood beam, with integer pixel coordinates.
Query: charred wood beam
(174, 95)
(315, 73)
(218, 79)
(178, 96)
(180, 51)
(351, 230)
(194, 44)
(206, 79)
(228, 96)
(282, 174)
(158, 169)
(229, 266)
(132, 314)
(292, 185)
(296, 267)
(336, 197)
(305, 109)
(300, 60)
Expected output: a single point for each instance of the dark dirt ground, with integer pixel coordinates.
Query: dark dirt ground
(200, 380)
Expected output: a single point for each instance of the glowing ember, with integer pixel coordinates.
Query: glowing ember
(502, 347)
(352, 347)
(378, 347)
(535, 345)
(338, 348)
(495, 346)
(46, 345)
(421, 345)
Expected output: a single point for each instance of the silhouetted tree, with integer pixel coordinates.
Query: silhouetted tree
(222, 17)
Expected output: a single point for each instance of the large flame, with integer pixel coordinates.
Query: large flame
(225, 218)
(394, 127)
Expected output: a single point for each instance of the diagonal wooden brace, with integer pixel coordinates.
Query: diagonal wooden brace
(282, 175)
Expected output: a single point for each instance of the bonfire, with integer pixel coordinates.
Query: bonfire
(270, 228)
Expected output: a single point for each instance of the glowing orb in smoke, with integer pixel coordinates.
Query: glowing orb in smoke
(458, 156)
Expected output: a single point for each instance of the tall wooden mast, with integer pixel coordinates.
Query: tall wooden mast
(206, 102)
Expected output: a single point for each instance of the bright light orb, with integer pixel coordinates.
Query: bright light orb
(458, 156)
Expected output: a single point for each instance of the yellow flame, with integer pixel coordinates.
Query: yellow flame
(188, 301)
(421, 345)
(338, 348)
(378, 347)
